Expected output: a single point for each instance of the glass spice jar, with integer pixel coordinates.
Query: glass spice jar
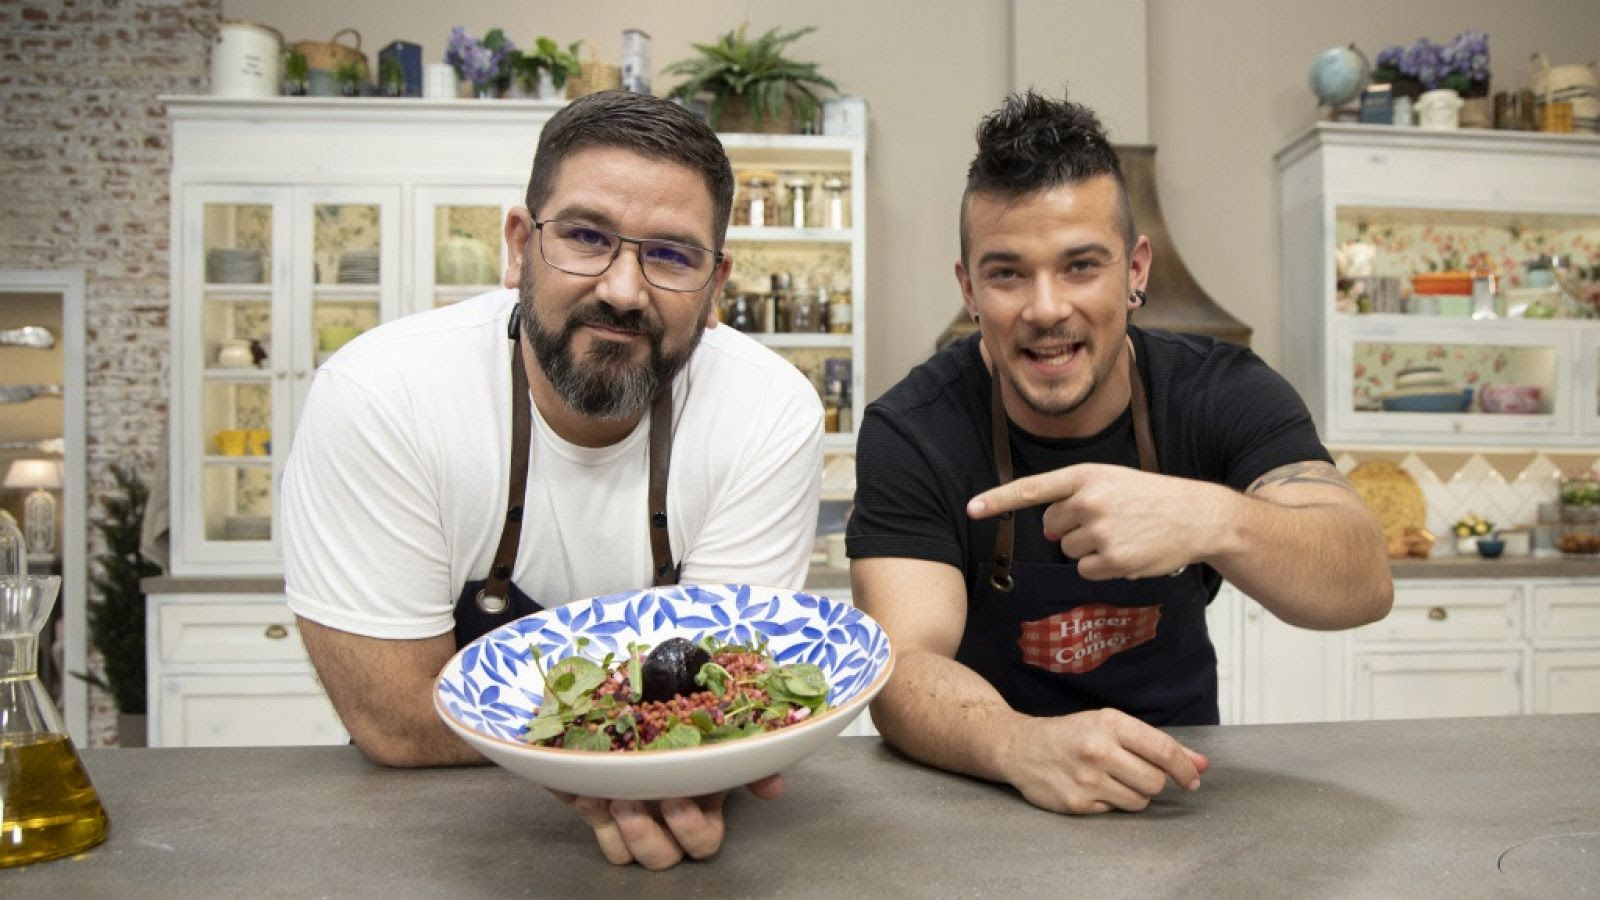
(837, 204)
(756, 205)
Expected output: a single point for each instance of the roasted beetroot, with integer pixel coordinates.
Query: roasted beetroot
(670, 668)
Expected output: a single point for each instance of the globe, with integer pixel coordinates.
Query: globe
(1339, 74)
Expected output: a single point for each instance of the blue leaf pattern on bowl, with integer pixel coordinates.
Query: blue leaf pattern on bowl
(849, 647)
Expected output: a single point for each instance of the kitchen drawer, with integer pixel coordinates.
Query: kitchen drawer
(1566, 611)
(216, 710)
(1435, 685)
(231, 631)
(1566, 681)
(1453, 613)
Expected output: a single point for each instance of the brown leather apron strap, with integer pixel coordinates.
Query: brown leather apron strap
(494, 598)
(1142, 438)
(1005, 538)
(662, 568)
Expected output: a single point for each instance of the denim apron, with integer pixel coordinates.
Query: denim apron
(1052, 642)
(488, 603)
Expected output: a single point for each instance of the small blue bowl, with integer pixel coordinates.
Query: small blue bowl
(1491, 548)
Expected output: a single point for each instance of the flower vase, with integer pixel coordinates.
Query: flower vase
(548, 90)
(485, 90)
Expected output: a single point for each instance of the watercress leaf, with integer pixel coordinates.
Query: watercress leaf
(805, 680)
(574, 676)
(702, 720)
(543, 728)
(729, 731)
(580, 737)
(679, 735)
(635, 673)
(713, 678)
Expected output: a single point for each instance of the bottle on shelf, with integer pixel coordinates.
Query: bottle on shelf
(840, 311)
(797, 187)
(838, 204)
(756, 206)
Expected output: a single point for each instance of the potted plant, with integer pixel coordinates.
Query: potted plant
(752, 85)
(485, 64)
(116, 619)
(391, 77)
(296, 74)
(543, 73)
(347, 75)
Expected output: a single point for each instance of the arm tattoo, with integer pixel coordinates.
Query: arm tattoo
(1302, 473)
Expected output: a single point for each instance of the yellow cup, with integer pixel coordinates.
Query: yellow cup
(231, 441)
(255, 441)
(332, 337)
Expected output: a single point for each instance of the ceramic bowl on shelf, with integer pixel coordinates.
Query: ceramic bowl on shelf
(1519, 399)
(1491, 548)
(1428, 400)
(489, 692)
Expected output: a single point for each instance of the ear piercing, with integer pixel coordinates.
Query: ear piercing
(1138, 298)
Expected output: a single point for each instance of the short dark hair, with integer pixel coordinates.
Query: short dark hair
(645, 124)
(1034, 143)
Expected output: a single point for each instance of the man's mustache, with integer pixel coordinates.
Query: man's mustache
(604, 315)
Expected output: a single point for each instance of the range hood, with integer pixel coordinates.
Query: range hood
(1176, 301)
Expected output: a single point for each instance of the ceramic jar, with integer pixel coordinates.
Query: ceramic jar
(235, 354)
(1439, 109)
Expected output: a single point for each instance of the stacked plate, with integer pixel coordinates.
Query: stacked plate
(227, 265)
(1425, 389)
(359, 267)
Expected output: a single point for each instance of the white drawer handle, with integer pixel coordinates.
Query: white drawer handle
(276, 632)
(1437, 614)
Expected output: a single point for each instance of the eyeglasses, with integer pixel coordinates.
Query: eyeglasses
(579, 249)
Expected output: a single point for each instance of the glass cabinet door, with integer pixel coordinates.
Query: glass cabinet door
(1498, 381)
(459, 241)
(272, 281)
(235, 269)
(347, 272)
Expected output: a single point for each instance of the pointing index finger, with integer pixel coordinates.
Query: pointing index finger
(1034, 490)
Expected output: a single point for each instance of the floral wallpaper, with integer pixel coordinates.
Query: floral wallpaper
(1375, 365)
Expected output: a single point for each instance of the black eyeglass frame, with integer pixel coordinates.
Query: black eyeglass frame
(716, 255)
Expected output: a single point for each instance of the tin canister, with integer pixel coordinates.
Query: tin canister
(635, 61)
(845, 116)
(245, 60)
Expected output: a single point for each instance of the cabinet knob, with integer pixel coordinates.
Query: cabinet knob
(276, 632)
(300, 373)
(280, 374)
(1438, 614)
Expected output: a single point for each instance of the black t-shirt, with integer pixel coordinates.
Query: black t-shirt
(1218, 414)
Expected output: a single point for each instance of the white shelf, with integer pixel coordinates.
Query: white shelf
(777, 235)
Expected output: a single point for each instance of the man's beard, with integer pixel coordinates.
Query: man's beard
(605, 384)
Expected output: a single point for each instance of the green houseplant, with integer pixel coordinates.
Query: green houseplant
(754, 78)
(296, 74)
(546, 57)
(116, 619)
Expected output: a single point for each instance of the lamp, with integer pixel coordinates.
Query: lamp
(39, 510)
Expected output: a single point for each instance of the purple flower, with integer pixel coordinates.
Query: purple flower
(480, 62)
(1389, 57)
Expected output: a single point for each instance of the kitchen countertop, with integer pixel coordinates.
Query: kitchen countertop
(1445, 807)
(824, 577)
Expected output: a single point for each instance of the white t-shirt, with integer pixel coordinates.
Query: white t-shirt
(395, 490)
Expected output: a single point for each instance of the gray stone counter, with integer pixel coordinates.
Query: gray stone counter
(1441, 808)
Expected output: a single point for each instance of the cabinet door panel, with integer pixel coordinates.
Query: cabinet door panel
(1566, 611)
(1289, 674)
(1436, 685)
(1566, 681)
(212, 710)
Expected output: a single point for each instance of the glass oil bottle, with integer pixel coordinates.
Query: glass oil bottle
(48, 806)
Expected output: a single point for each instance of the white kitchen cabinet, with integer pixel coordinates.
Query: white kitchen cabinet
(230, 670)
(1449, 647)
(1467, 200)
(299, 222)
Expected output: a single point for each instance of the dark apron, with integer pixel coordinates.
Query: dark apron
(488, 603)
(1052, 642)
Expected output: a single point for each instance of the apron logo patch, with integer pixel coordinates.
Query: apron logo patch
(1079, 640)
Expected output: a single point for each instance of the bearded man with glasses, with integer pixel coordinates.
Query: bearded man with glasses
(586, 430)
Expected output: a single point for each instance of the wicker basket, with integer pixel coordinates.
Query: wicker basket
(328, 55)
(592, 76)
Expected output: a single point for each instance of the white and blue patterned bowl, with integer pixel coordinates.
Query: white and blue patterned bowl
(488, 691)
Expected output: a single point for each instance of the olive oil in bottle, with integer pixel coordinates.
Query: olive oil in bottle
(49, 807)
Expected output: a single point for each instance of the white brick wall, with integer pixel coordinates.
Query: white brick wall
(85, 157)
